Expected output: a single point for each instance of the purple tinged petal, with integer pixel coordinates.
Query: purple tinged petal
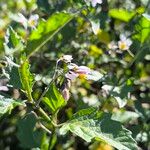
(83, 70)
(94, 75)
(66, 94)
(4, 88)
(71, 75)
(72, 66)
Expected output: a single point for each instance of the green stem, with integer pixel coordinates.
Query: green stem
(52, 140)
(45, 128)
(53, 137)
(47, 88)
(44, 115)
(29, 96)
(48, 119)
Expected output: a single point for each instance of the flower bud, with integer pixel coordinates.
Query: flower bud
(66, 94)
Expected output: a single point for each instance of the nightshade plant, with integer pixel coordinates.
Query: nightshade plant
(75, 75)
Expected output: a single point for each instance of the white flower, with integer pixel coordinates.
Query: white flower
(95, 2)
(124, 43)
(33, 21)
(112, 45)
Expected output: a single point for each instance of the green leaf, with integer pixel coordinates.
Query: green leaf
(7, 104)
(142, 29)
(90, 124)
(13, 42)
(26, 77)
(120, 93)
(125, 116)
(46, 30)
(114, 91)
(121, 14)
(28, 136)
(53, 99)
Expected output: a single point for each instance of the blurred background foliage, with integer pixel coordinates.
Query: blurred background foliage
(127, 71)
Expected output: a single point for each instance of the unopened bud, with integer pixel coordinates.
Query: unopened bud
(66, 94)
(67, 58)
(68, 84)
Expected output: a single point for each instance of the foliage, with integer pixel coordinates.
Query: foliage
(80, 66)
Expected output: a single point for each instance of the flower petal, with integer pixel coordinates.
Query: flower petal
(67, 58)
(94, 75)
(71, 75)
(83, 70)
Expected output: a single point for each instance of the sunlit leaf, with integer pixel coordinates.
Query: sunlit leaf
(90, 124)
(7, 104)
(103, 36)
(46, 30)
(124, 116)
(142, 29)
(26, 77)
(53, 99)
(121, 14)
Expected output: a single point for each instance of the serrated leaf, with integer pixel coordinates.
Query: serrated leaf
(26, 77)
(53, 99)
(90, 124)
(13, 42)
(124, 116)
(27, 135)
(7, 104)
(121, 14)
(46, 30)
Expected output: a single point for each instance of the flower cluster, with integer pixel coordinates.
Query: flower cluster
(82, 72)
(75, 71)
